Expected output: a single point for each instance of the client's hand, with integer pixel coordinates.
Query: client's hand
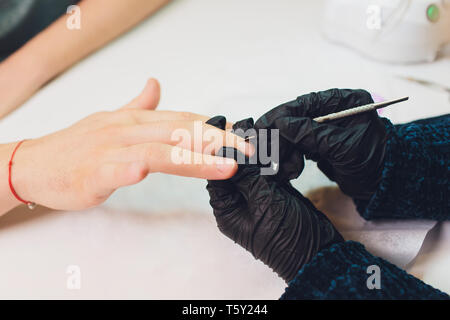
(349, 151)
(79, 167)
(269, 218)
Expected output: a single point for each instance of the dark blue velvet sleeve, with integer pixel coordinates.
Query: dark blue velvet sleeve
(415, 184)
(416, 176)
(341, 272)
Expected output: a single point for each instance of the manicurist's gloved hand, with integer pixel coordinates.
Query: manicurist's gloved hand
(349, 151)
(267, 217)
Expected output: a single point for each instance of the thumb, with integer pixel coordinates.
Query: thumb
(148, 99)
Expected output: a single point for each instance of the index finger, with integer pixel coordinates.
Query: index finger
(193, 135)
(145, 116)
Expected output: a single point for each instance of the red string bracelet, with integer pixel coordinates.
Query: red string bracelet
(31, 205)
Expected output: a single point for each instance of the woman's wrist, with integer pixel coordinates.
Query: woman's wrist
(7, 199)
(23, 170)
(21, 179)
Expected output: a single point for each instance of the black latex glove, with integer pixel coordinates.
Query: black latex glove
(349, 151)
(269, 218)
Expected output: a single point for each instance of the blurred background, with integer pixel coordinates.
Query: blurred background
(239, 59)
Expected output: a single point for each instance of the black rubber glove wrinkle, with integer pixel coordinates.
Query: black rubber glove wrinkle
(269, 218)
(349, 151)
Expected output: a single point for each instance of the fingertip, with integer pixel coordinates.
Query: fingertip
(250, 149)
(153, 84)
(240, 144)
(152, 93)
(225, 168)
(149, 97)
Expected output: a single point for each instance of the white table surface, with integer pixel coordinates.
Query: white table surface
(158, 239)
